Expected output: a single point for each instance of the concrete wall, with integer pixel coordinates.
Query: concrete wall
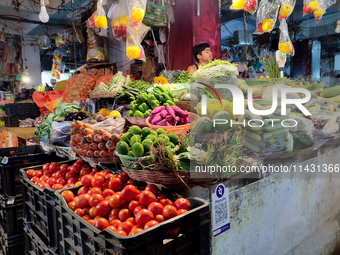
(32, 54)
(283, 215)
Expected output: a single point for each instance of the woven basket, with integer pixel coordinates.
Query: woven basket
(102, 94)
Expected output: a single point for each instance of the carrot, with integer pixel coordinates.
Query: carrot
(88, 131)
(102, 146)
(79, 151)
(89, 138)
(89, 126)
(90, 153)
(98, 138)
(115, 137)
(84, 153)
(94, 146)
(86, 146)
(73, 124)
(97, 153)
(110, 154)
(103, 154)
(106, 136)
(83, 139)
(110, 145)
(79, 124)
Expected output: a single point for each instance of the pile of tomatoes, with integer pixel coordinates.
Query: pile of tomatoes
(59, 176)
(123, 205)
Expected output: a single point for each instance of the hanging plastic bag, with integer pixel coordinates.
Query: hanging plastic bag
(321, 9)
(118, 13)
(137, 12)
(287, 7)
(266, 16)
(309, 6)
(247, 5)
(285, 44)
(98, 18)
(135, 36)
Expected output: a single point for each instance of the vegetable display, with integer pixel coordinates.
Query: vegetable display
(169, 116)
(183, 77)
(217, 69)
(144, 104)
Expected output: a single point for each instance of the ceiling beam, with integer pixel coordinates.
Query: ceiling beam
(19, 20)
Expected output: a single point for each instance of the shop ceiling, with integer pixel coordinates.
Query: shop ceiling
(25, 20)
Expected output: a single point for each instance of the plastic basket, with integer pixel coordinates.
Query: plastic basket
(39, 208)
(178, 130)
(14, 158)
(155, 15)
(77, 236)
(133, 162)
(14, 245)
(33, 244)
(22, 109)
(14, 121)
(11, 215)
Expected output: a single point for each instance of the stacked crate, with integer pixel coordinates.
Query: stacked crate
(12, 238)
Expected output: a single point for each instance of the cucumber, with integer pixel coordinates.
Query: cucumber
(254, 129)
(253, 136)
(252, 147)
(275, 134)
(269, 128)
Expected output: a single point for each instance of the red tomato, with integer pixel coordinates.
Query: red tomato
(93, 212)
(146, 198)
(91, 222)
(182, 203)
(97, 181)
(79, 211)
(135, 231)
(114, 214)
(72, 180)
(124, 214)
(160, 218)
(156, 208)
(112, 228)
(46, 167)
(181, 211)
(86, 180)
(86, 210)
(75, 169)
(103, 208)
(95, 190)
(166, 201)
(34, 179)
(108, 193)
(84, 171)
(54, 167)
(174, 232)
(101, 223)
(44, 178)
(129, 192)
(132, 220)
(38, 173)
(115, 201)
(123, 177)
(132, 182)
(162, 195)
(115, 223)
(83, 190)
(105, 185)
(48, 173)
(108, 176)
(102, 174)
(169, 211)
(87, 217)
(152, 188)
(69, 185)
(61, 181)
(95, 199)
(150, 224)
(82, 201)
(72, 205)
(144, 216)
(115, 184)
(121, 232)
(67, 195)
(137, 209)
(64, 167)
(30, 173)
(60, 174)
(69, 175)
(51, 181)
(125, 226)
(57, 186)
(132, 205)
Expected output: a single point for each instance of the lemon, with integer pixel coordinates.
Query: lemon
(115, 113)
(314, 5)
(319, 12)
(238, 4)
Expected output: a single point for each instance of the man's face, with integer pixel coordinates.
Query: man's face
(206, 55)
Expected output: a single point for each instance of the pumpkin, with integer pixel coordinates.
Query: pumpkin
(161, 80)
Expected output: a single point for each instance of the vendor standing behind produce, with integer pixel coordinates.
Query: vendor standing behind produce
(202, 55)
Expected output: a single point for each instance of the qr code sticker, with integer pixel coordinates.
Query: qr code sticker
(221, 212)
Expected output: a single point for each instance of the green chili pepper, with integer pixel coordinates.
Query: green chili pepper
(138, 114)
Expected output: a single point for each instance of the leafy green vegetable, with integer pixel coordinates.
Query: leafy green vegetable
(140, 85)
(183, 77)
(217, 62)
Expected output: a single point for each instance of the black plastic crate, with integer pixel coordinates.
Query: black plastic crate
(33, 244)
(39, 208)
(78, 237)
(14, 245)
(11, 210)
(14, 158)
(22, 109)
(14, 121)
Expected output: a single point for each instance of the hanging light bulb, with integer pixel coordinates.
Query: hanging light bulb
(43, 15)
(25, 77)
(337, 29)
